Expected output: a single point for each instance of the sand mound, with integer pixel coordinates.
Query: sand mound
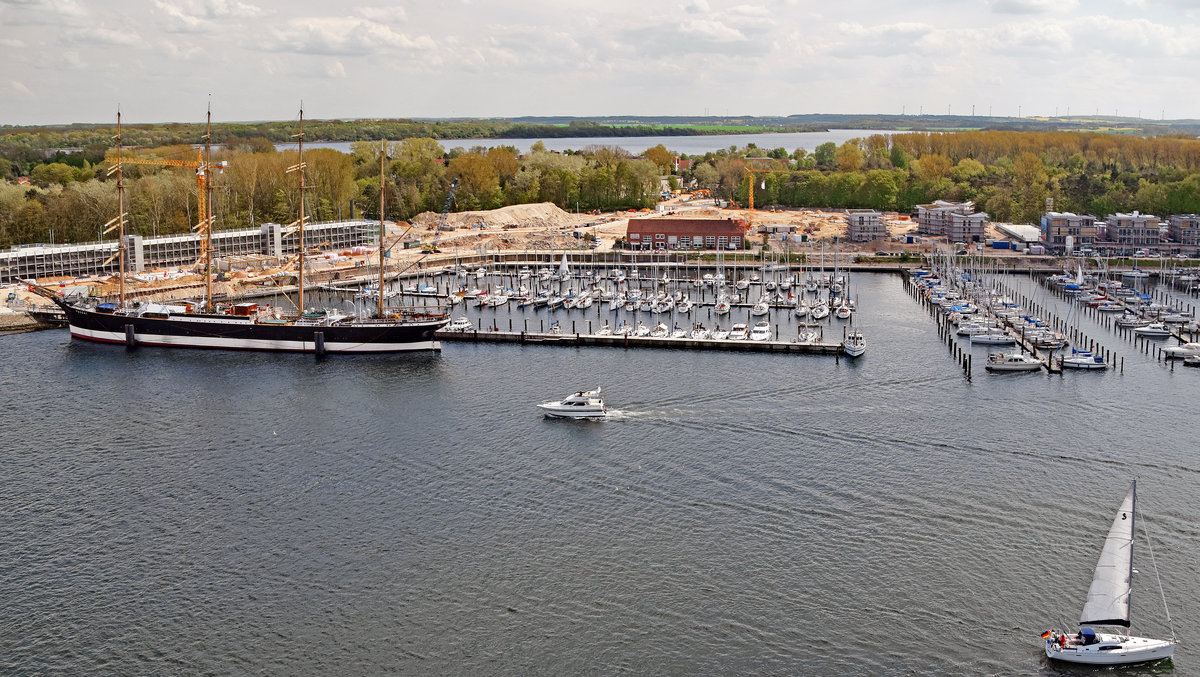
(541, 214)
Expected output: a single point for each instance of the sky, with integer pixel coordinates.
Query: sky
(65, 61)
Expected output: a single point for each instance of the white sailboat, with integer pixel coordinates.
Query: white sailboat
(1108, 604)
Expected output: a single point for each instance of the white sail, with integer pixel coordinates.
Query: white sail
(1108, 598)
(562, 267)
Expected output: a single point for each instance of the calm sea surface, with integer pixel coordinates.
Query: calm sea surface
(192, 512)
(692, 145)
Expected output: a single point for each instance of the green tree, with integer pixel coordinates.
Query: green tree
(824, 153)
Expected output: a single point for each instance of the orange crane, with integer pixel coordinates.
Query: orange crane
(202, 177)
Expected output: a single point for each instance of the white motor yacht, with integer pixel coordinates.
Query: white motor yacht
(855, 344)
(761, 332)
(1153, 330)
(1185, 350)
(739, 332)
(1012, 362)
(460, 324)
(581, 404)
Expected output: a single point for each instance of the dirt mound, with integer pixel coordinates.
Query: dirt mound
(541, 215)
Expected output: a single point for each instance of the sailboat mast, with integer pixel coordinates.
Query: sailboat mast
(382, 228)
(300, 171)
(120, 218)
(208, 217)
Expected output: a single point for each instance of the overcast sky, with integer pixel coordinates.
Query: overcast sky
(76, 60)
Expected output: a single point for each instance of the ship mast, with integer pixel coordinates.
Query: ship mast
(299, 169)
(382, 228)
(120, 217)
(208, 216)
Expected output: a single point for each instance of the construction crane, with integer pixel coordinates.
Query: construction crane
(202, 177)
(441, 224)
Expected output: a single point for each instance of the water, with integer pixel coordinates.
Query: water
(691, 145)
(219, 512)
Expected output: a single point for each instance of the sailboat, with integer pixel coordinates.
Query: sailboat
(246, 326)
(1108, 604)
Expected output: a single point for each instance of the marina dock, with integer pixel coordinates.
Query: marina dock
(627, 341)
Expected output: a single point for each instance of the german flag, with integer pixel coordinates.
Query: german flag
(1047, 634)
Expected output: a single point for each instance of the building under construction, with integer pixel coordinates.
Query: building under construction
(75, 260)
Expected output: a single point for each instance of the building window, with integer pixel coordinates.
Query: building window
(659, 236)
(710, 240)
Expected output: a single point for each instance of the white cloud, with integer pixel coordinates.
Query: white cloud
(711, 31)
(384, 14)
(335, 69)
(340, 36)
(1032, 6)
(18, 89)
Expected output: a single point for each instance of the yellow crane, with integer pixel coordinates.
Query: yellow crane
(203, 173)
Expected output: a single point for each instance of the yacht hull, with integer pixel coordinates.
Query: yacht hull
(1113, 650)
(244, 333)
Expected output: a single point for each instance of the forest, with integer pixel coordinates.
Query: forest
(1008, 174)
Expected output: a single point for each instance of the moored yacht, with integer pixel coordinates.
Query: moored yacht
(1012, 362)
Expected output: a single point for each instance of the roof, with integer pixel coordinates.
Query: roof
(688, 226)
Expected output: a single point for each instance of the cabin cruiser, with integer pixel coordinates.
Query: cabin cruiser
(761, 332)
(855, 344)
(739, 332)
(1012, 362)
(1153, 330)
(581, 404)
(460, 324)
(1185, 350)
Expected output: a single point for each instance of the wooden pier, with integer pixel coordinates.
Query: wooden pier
(627, 341)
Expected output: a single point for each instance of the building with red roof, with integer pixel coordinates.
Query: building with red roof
(669, 233)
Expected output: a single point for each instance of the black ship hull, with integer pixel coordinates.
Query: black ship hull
(246, 333)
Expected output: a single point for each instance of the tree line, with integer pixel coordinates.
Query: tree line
(73, 202)
(1008, 174)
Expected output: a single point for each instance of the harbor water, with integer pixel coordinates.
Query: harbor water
(215, 512)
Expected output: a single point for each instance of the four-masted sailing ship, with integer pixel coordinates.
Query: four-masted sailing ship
(246, 326)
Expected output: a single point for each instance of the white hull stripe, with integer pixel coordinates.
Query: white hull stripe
(252, 344)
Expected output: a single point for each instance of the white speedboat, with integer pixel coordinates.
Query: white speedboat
(581, 404)
(761, 332)
(739, 332)
(855, 344)
(1012, 362)
(1153, 330)
(460, 324)
(1185, 350)
(1108, 604)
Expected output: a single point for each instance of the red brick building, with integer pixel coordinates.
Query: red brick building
(660, 233)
